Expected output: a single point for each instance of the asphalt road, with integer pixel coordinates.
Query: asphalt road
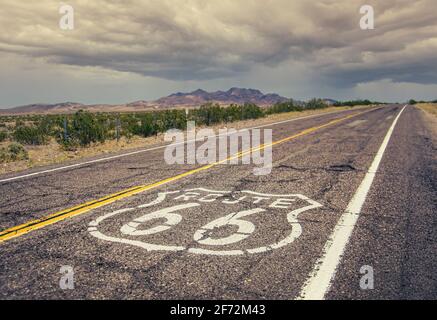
(162, 243)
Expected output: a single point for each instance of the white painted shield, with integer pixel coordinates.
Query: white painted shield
(169, 208)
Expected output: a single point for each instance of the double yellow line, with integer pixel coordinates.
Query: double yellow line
(74, 211)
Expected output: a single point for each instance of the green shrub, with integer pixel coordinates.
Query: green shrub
(251, 111)
(129, 125)
(282, 107)
(146, 126)
(83, 129)
(17, 151)
(209, 114)
(175, 119)
(13, 152)
(232, 113)
(314, 104)
(30, 135)
(3, 136)
(353, 103)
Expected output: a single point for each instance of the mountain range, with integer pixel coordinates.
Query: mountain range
(233, 95)
(180, 99)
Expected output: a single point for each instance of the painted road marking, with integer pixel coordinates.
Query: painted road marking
(80, 209)
(356, 123)
(136, 233)
(153, 148)
(320, 279)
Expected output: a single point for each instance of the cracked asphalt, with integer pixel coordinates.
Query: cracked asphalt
(173, 242)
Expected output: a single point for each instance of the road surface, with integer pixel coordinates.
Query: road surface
(351, 193)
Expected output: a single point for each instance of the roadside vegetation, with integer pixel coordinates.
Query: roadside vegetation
(22, 133)
(13, 152)
(429, 107)
(3, 136)
(354, 103)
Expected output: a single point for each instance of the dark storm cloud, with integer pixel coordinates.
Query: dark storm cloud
(196, 40)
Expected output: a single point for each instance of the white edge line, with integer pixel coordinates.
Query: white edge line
(154, 148)
(321, 277)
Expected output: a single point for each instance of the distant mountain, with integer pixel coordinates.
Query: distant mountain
(191, 99)
(233, 95)
(45, 108)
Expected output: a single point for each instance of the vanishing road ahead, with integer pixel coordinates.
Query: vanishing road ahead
(356, 192)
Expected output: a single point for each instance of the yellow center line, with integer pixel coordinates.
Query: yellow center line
(85, 207)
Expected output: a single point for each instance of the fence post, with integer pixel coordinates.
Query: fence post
(65, 129)
(117, 125)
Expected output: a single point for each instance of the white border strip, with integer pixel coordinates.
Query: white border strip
(320, 279)
(150, 149)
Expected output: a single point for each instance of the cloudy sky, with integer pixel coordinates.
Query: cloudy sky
(122, 51)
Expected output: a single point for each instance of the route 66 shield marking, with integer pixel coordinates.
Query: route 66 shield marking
(242, 214)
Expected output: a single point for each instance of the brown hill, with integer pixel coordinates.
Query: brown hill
(191, 99)
(233, 95)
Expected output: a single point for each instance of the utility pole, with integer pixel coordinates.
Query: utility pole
(65, 129)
